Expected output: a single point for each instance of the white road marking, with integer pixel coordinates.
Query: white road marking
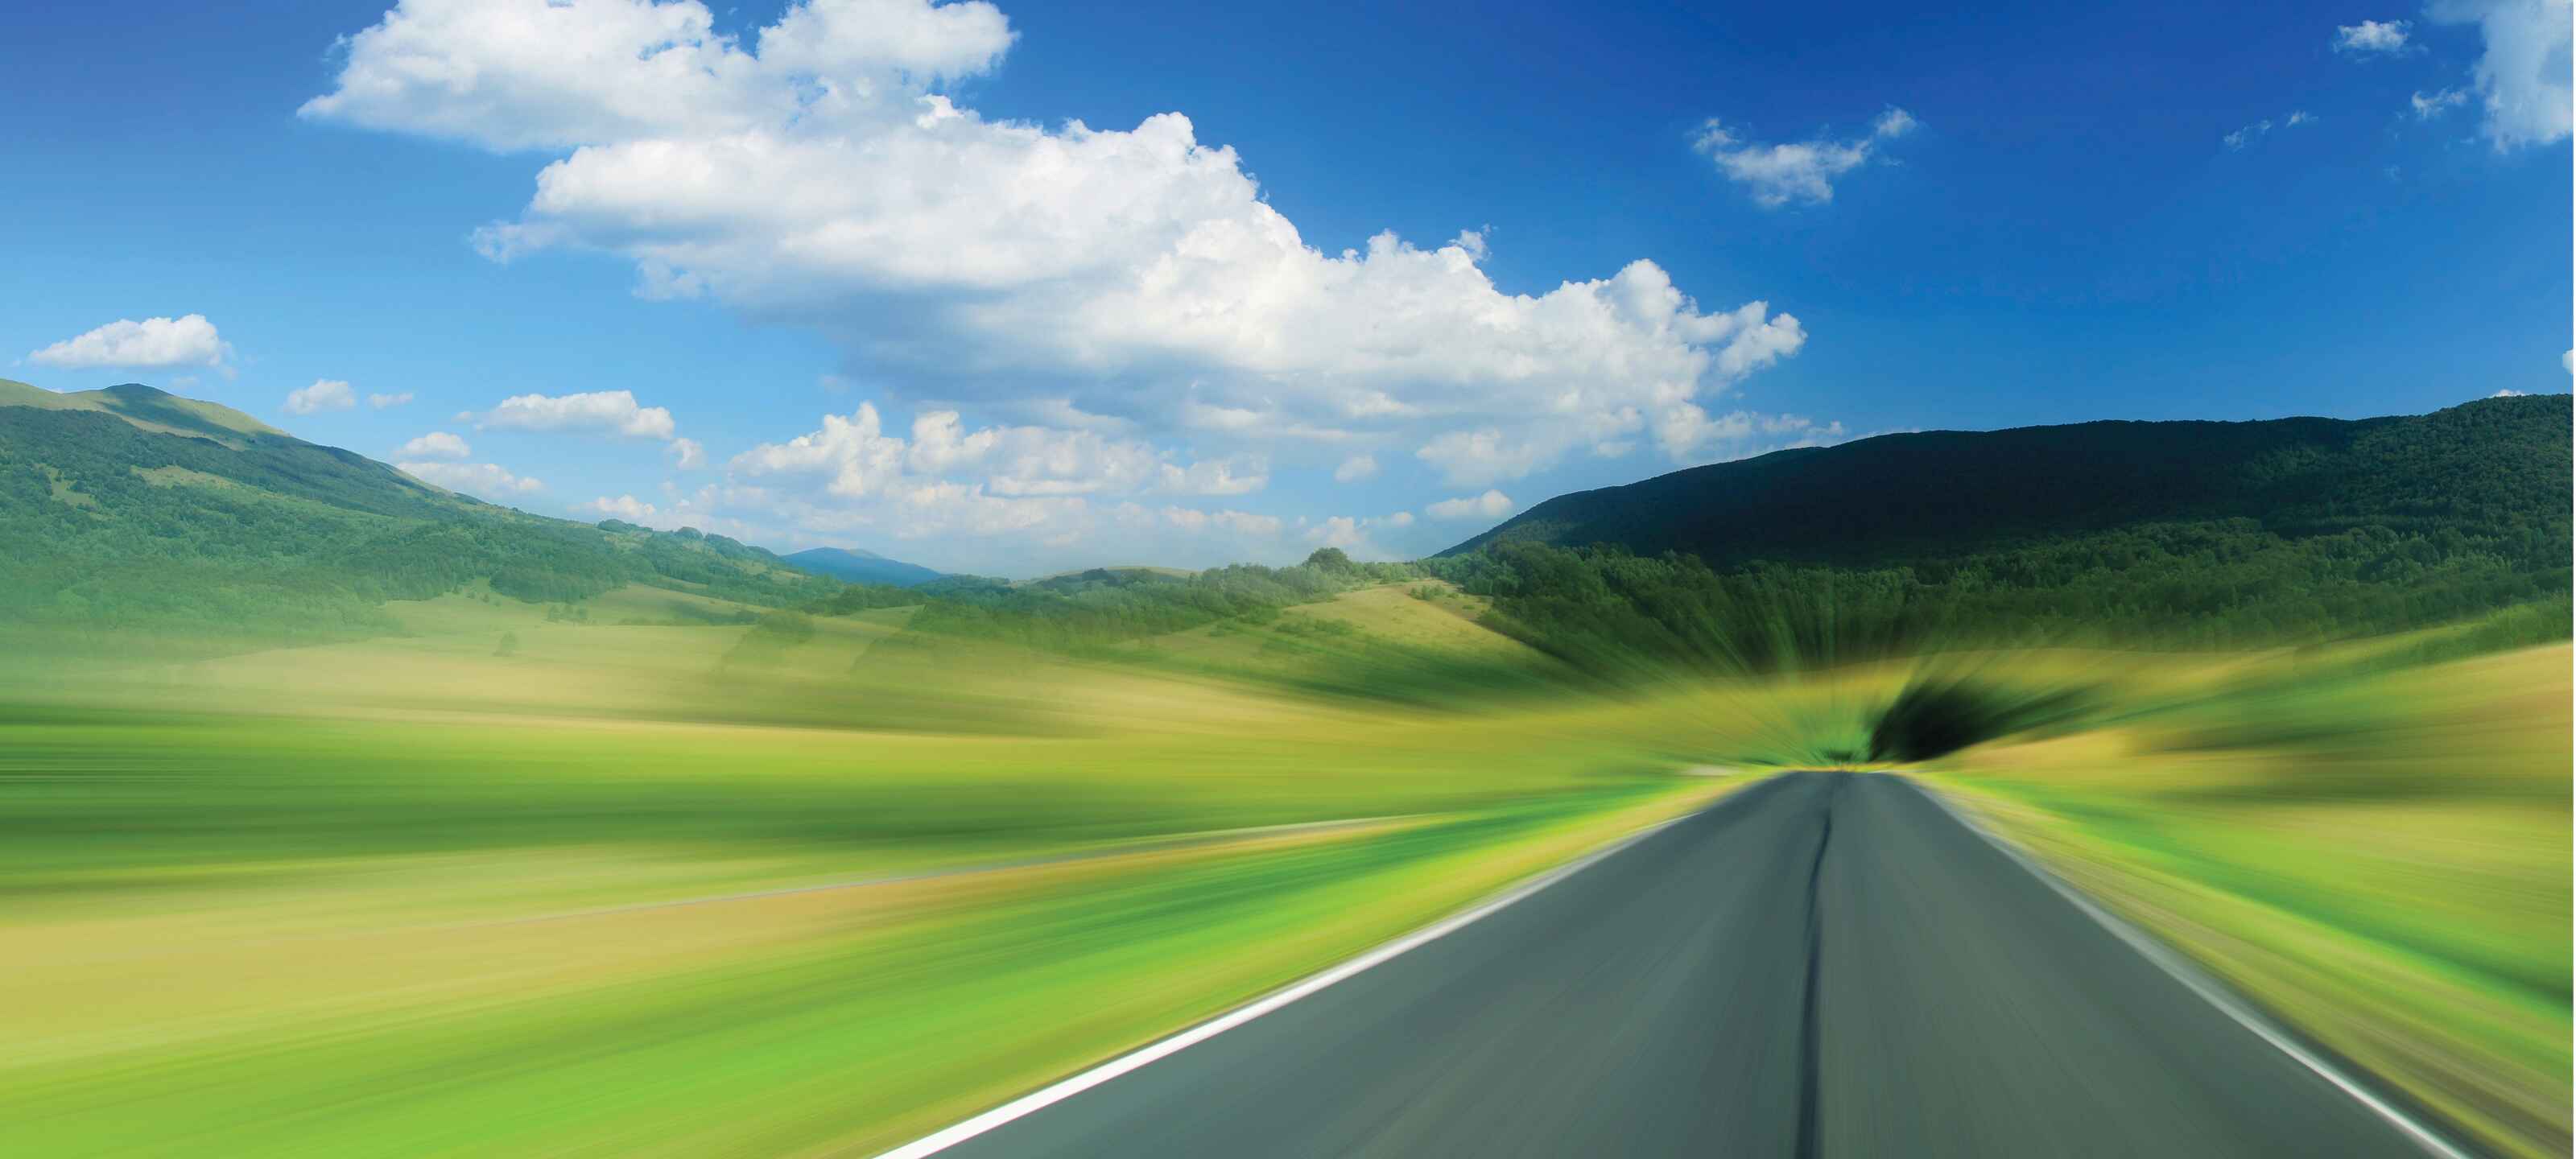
(2209, 989)
(1033, 1102)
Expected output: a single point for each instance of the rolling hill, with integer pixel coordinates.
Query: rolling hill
(2174, 534)
(852, 565)
(208, 531)
(2496, 467)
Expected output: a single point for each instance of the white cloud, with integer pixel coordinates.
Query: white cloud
(2428, 107)
(1490, 505)
(435, 445)
(2511, 394)
(2567, 361)
(854, 458)
(1468, 458)
(599, 412)
(1355, 468)
(1694, 436)
(478, 479)
(2523, 76)
(1805, 171)
(822, 172)
(384, 401)
(687, 454)
(1232, 476)
(626, 507)
(1353, 534)
(324, 394)
(1242, 523)
(151, 344)
(2371, 36)
(2254, 132)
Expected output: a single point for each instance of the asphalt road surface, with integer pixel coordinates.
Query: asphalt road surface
(1824, 964)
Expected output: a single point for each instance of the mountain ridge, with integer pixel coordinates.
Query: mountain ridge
(1921, 495)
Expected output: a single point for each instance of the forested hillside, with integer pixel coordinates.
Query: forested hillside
(130, 508)
(2491, 473)
(860, 567)
(2192, 535)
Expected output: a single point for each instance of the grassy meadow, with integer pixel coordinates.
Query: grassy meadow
(614, 889)
(657, 873)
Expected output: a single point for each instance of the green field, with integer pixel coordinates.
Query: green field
(410, 896)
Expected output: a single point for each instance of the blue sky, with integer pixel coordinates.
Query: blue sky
(863, 283)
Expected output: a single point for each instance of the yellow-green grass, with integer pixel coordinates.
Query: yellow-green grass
(412, 897)
(2380, 857)
(713, 889)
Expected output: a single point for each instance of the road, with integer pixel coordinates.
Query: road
(1824, 964)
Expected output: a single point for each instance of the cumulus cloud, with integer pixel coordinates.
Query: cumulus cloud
(1352, 534)
(1698, 437)
(854, 457)
(1489, 455)
(324, 394)
(1242, 523)
(1355, 468)
(687, 454)
(151, 344)
(1240, 475)
(2521, 77)
(435, 445)
(1804, 171)
(2371, 37)
(626, 507)
(386, 401)
(600, 412)
(1490, 505)
(822, 172)
(479, 479)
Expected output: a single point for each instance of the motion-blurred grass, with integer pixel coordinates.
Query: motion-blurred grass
(658, 881)
(589, 894)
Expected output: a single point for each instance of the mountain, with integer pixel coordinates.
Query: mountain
(2190, 535)
(852, 565)
(132, 508)
(2496, 468)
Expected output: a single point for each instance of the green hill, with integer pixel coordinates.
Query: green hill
(851, 565)
(2181, 534)
(130, 508)
(2496, 468)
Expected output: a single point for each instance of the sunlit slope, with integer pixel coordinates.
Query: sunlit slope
(141, 521)
(1427, 616)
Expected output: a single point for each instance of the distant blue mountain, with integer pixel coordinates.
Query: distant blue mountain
(860, 567)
